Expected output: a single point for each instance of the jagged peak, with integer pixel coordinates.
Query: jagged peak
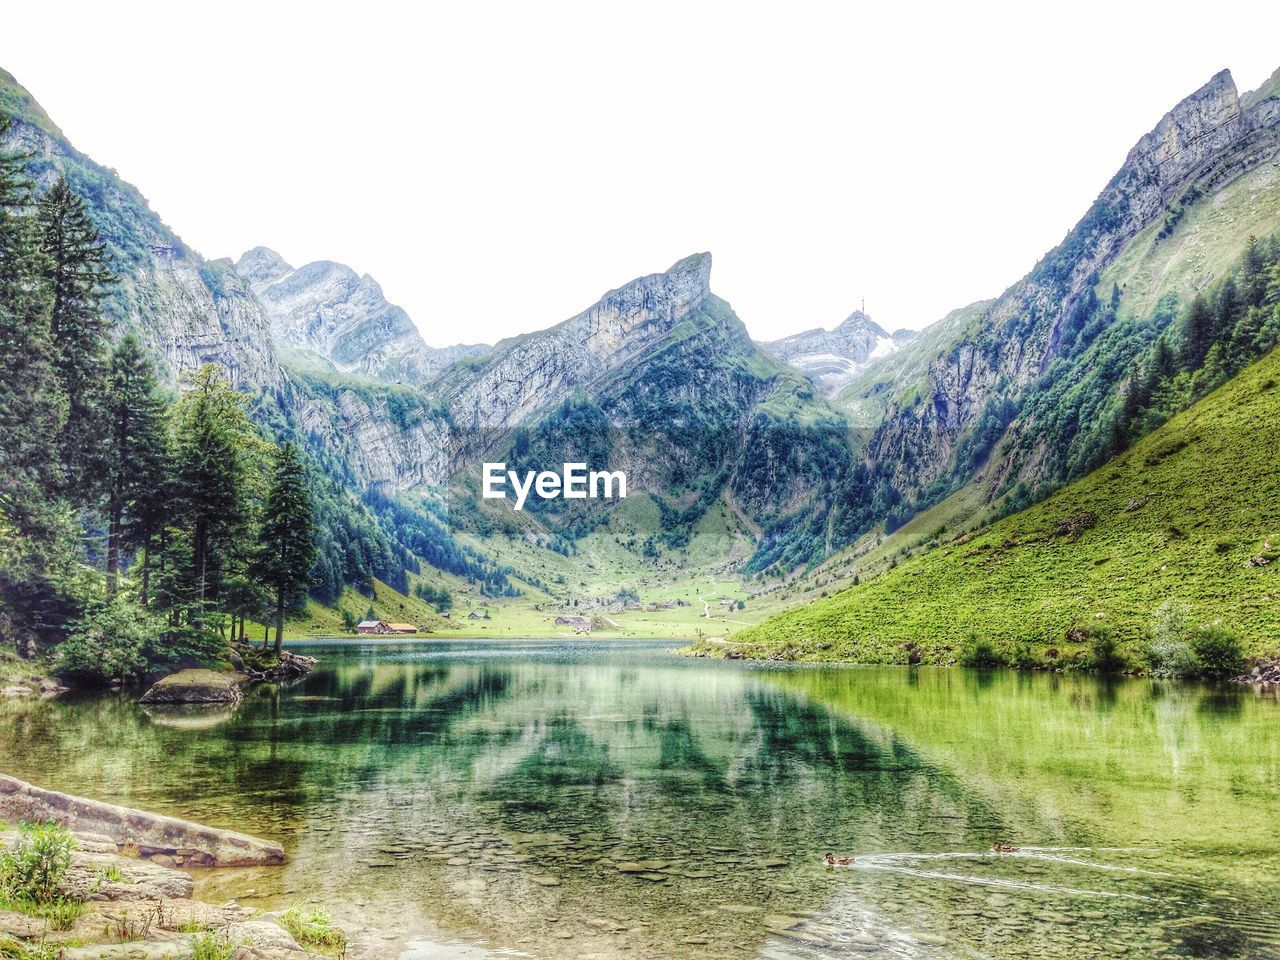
(858, 321)
(1213, 105)
(261, 265)
(682, 286)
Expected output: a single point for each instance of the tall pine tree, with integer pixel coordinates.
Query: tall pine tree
(136, 457)
(287, 550)
(34, 550)
(75, 265)
(212, 438)
(31, 408)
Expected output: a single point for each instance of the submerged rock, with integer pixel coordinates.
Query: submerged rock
(187, 843)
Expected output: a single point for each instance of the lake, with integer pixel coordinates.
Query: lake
(581, 798)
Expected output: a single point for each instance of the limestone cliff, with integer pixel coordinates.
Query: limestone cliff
(328, 308)
(526, 373)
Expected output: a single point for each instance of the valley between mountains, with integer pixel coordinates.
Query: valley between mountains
(1034, 471)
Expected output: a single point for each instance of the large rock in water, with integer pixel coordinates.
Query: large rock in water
(196, 686)
(151, 833)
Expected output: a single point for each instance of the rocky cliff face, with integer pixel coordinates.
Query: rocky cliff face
(189, 311)
(832, 358)
(387, 450)
(524, 374)
(1202, 144)
(328, 308)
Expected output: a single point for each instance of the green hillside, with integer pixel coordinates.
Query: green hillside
(1189, 513)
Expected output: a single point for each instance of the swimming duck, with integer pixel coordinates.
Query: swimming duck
(999, 847)
(834, 861)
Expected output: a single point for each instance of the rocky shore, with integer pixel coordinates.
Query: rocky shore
(128, 898)
(1264, 674)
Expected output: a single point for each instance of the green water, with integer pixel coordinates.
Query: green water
(593, 799)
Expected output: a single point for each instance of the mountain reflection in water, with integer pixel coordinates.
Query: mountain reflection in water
(586, 798)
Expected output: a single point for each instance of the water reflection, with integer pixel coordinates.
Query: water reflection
(611, 799)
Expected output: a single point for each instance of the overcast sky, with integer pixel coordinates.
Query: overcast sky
(498, 166)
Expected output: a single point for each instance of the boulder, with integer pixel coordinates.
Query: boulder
(196, 686)
(187, 843)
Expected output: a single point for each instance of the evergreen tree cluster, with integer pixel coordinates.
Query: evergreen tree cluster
(103, 474)
(1223, 330)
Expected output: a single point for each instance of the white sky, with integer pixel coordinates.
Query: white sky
(497, 166)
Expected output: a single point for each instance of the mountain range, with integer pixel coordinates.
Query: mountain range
(771, 461)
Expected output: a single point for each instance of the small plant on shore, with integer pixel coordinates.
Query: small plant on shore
(212, 946)
(11, 948)
(1105, 654)
(125, 928)
(1218, 652)
(34, 867)
(109, 874)
(62, 914)
(313, 927)
(977, 652)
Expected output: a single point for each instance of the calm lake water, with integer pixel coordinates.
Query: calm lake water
(578, 799)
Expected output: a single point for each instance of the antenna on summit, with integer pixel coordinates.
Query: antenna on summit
(863, 308)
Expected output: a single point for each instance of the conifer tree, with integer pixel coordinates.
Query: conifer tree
(36, 550)
(287, 549)
(136, 456)
(212, 437)
(31, 408)
(75, 266)
(1197, 333)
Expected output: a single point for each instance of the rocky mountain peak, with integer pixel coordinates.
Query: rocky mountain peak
(858, 323)
(658, 297)
(523, 374)
(261, 266)
(832, 358)
(328, 308)
(1202, 124)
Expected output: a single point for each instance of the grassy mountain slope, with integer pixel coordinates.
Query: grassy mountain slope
(1180, 515)
(1197, 242)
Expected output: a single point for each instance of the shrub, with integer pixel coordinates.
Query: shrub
(34, 867)
(1168, 650)
(1217, 651)
(1023, 655)
(116, 639)
(979, 653)
(107, 643)
(1104, 654)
